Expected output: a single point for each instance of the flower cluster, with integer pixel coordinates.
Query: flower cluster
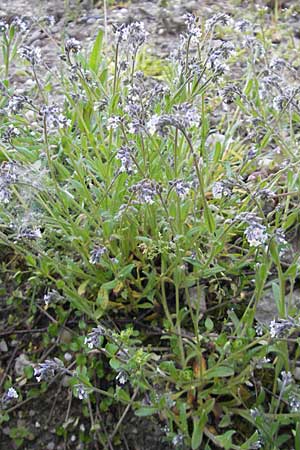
(294, 403)
(3, 25)
(113, 122)
(140, 100)
(219, 18)
(10, 133)
(9, 396)
(256, 234)
(132, 35)
(125, 154)
(97, 253)
(286, 379)
(281, 327)
(52, 296)
(185, 116)
(53, 117)
(72, 46)
(22, 23)
(193, 29)
(28, 232)
(31, 54)
(182, 188)
(122, 377)
(47, 370)
(242, 25)
(81, 391)
(218, 56)
(220, 189)
(145, 191)
(8, 175)
(17, 102)
(92, 339)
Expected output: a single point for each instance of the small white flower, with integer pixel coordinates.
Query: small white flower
(220, 190)
(113, 122)
(12, 393)
(122, 377)
(256, 234)
(152, 124)
(92, 339)
(282, 326)
(81, 391)
(294, 404)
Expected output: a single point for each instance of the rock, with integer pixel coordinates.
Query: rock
(51, 446)
(65, 382)
(65, 337)
(266, 309)
(3, 346)
(297, 373)
(22, 361)
(197, 298)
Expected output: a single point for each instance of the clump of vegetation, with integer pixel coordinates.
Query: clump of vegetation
(143, 218)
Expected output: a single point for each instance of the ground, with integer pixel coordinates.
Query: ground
(42, 418)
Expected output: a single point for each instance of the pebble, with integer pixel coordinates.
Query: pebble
(3, 346)
(65, 337)
(198, 298)
(51, 446)
(266, 309)
(297, 373)
(21, 362)
(66, 381)
(68, 356)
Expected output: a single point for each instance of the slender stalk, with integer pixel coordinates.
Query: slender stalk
(116, 68)
(6, 54)
(178, 327)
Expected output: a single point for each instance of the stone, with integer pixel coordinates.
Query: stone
(3, 346)
(297, 373)
(21, 362)
(266, 309)
(198, 298)
(65, 337)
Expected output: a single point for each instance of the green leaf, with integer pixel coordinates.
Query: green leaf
(291, 219)
(252, 440)
(111, 348)
(110, 284)
(276, 293)
(209, 325)
(274, 252)
(145, 411)
(297, 437)
(28, 372)
(78, 302)
(291, 272)
(122, 395)
(82, 288)
(126, 271)
(95, 57)
(197, 434)
(115, 363)
(219, 372)
(225, 439)
(30, 260)
(209, 219)
(217, 152)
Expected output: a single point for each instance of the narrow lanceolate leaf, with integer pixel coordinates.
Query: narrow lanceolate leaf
(219, 372)
(95, 57)
(197, 435)
(145, 411)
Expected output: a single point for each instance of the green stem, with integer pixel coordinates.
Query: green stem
(178, 327)
(116, 68)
